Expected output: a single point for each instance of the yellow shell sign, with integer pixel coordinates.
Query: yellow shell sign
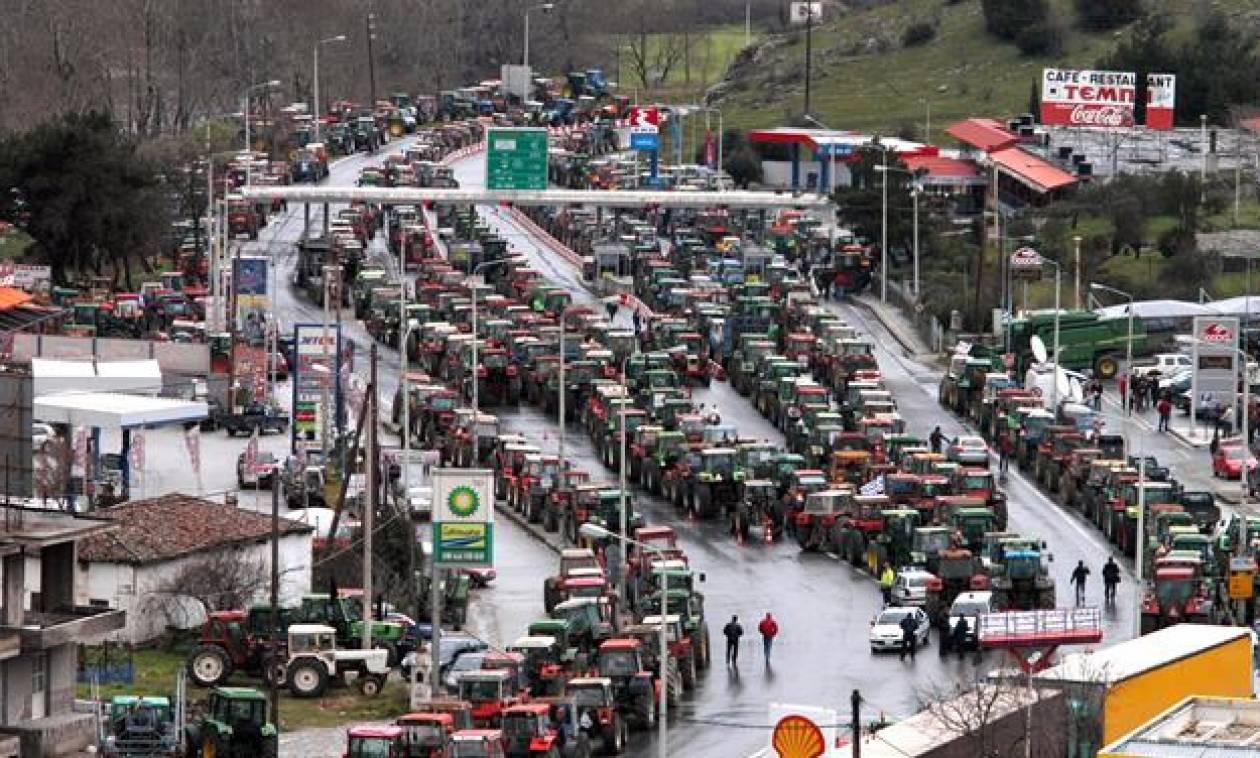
(797, 737)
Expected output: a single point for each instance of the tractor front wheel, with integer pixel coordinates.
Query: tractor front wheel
(371, 685)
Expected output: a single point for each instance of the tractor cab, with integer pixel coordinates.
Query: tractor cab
(489, 692)
(377, 742)
(427, 734)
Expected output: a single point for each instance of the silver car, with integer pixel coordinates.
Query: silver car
(969, 451)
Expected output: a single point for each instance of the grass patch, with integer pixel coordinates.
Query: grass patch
(864, 79)
(711, 52)
(155, 672)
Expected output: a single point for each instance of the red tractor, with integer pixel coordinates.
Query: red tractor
(1176, 596)
(536, 729)
(580, 574)
(229, 644)
(635, 688)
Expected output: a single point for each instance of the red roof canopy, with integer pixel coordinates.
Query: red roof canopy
(939, 167)
(1038, 173)
(986, 134)
(12, 298)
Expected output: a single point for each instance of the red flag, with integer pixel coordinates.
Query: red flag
(192, 441)
(137, 451)
(710, 149)
(251, 452)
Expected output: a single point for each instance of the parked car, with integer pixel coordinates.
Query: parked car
(910, 587)
(1227, 462)
(969, 451)
(970, 606)
(258, 476)
(886, 630)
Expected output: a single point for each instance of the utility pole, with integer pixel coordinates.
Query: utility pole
(371, 34)
(369, 513)
(275, 586)
(856, 700)
(809, 50)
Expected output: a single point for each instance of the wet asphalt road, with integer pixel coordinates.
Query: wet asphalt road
(823, 606)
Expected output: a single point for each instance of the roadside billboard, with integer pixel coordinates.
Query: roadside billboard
(1161, 100)
(1088, 98)
(314, 373)
(1215, 347)
(249, 280)
(249, 364)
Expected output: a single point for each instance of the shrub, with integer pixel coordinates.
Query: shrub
(918, 33)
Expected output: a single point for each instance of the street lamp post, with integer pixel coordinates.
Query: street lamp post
(623, 518)
(1128, 349)
(594, 531)
(249, 145)
(563, 386)
(332, 288)
(883, 237)
(1076, 269)
(915, 190)
(545, 8)
(315, 109)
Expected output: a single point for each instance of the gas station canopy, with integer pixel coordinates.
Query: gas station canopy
(108, 410)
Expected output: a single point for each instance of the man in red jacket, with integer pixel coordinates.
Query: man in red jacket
(769, 629)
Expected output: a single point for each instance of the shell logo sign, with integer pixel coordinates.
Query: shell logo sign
(797, 737)
(803, 731)
(1216, 332)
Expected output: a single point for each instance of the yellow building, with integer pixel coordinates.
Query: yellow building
(1198, 726)
(1111, 692)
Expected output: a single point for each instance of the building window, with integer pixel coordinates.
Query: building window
(98, 603)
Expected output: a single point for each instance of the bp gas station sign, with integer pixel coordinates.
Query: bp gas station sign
(463, 517)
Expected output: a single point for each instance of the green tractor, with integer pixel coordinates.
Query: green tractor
(716, 484)
(685, 602)
(236, 725)
(139, 726)
(1018, 577)
(346, 616)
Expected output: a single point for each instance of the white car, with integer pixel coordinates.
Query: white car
(970, 606)
(886, 628)
(969, 451)
(910, 587)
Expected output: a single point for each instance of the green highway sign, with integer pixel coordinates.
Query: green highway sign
(516, 159)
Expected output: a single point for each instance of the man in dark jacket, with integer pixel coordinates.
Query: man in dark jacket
(1111, 577)
(909, 636)
(732, 631)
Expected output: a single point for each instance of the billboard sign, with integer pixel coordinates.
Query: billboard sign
(645, 116)
(463, 517)
(1026, 264)
(1088, 98)
(1215, 348)
(313, 375)
(26, 276)
(803, 12)
(644, 141)
(249, 363)
(249, 280)
(1161, 100)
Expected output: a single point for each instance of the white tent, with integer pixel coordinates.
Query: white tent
(1145, 309)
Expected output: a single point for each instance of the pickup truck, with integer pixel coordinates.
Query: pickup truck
(1163, 363)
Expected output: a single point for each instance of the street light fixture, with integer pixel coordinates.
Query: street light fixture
(1128, 350)
(249, 145)
(916, 189)
(545, 8)
(315, 109)
(596, 532)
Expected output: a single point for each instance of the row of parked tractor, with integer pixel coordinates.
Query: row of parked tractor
(1086, 470)
(586, 674)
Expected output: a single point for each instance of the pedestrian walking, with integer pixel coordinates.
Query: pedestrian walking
(1111, 577)
(1164, 408)
(769, 629)
(1079, 575)
(1096, 390)
(732, 631)
(1227, 420)
(1154, 389)
(935, 439)
(909, 636)
(1122, 385)
(887, 577)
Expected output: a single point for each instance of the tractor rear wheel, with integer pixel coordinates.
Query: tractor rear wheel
(307, 678)
(273, 670)
(209, 666)
(688, 667)
(616, 736)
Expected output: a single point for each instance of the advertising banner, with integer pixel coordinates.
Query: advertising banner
(1161, 100)
(31, 277)
(1088, 98)
(1026, 264)
(249, 278)
(314, 371)
(463, 517)
(249, 363)
(1216, 340)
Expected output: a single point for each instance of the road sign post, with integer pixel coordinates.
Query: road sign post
(516, 159)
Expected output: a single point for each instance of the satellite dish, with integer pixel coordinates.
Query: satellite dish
(1038, 348)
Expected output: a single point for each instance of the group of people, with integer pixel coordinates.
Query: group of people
(733, 631)
(1110, 576)
(1142, 391)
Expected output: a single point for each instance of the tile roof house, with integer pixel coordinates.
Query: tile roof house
(156, 539)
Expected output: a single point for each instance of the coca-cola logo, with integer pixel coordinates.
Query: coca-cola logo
(1217, 333)
(1107, 115)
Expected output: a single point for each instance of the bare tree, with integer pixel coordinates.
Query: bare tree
(221, 580)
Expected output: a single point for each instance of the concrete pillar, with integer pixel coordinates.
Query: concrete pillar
(14, 589)
(56, 576)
